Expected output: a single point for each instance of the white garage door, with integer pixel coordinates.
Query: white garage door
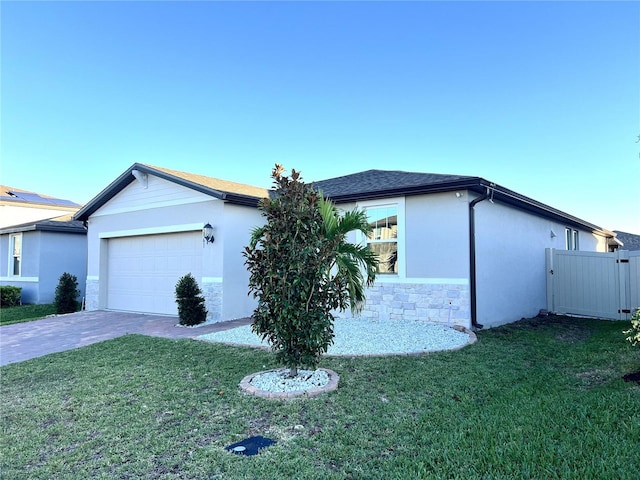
(144, 270)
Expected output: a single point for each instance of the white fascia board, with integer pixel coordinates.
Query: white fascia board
(188, 227)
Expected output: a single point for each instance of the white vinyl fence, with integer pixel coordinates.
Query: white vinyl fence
(603, 285)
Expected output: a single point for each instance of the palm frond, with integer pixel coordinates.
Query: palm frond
(256, 234)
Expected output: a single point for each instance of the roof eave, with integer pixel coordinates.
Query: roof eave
(33, 227)
(479, 185)
(465, 184)
(61, 229)
(126, 178)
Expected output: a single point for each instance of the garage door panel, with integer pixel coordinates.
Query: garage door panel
(143, 271)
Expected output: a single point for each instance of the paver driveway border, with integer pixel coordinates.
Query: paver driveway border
(23, 341)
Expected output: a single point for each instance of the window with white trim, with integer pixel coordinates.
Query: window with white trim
(383, 238)
(572, 239)
(15, 255)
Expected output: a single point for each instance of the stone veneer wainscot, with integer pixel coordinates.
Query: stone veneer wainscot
(433, 302)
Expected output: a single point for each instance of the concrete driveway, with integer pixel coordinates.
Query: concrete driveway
(23, 341)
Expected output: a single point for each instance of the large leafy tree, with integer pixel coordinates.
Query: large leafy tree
(302, 268)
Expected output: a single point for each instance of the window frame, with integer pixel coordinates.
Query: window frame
(12, 257)
(571, 239)
(399, 203)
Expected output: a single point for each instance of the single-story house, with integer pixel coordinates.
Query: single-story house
(18, 206)
(34, 255)
(454, 249)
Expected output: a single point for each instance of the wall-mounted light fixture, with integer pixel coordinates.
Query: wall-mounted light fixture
(207, 234)
(553, 234)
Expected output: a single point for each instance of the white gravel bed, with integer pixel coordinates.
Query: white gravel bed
(278, 381)
(355, 336)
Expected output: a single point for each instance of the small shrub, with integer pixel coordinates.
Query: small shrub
(67, 293)
(10, 296)
(634, 331)
(191, 309)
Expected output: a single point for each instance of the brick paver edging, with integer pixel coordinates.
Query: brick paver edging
(246, 387)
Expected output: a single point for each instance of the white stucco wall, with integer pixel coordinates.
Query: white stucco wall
(21, 214)
(437, 233)
(235, 233)
(510, 261)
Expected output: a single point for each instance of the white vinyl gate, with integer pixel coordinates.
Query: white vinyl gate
(603, 285)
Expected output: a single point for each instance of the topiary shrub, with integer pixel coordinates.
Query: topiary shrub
(67, 293)
(191, 309)
(634, 331)
(10, 296)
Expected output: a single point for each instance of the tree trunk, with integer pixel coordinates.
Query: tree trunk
(293, 371)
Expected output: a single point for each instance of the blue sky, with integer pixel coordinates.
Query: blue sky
(540, 97)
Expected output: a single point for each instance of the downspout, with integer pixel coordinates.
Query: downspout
(472, 259)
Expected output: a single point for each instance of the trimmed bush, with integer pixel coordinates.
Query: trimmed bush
(10, 296)
(634, 331)
(67, 293)
(191, 309)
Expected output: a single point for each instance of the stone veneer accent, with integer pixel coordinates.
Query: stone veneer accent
(212, 292)
(92, 294)
(436, 303)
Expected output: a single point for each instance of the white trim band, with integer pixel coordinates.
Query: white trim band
(20, 279)
(212, 280)
(421, 281)
(188, 227)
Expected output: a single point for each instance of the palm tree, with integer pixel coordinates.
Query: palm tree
(349, 260)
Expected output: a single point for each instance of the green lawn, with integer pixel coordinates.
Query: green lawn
(25, 313)
(540, 399)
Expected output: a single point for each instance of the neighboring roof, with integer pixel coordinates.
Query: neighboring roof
(377, 184)
(63, 224)
(20, 196)
(232, 192)
(630, 241)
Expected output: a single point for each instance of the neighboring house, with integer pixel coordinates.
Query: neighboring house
(629, 241)
(145, 231)
(34, 255)
(18, 207)
(454, 249)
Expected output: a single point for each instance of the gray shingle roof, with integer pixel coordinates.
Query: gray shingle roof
(373, 183)
(62, 223)
(631, 241)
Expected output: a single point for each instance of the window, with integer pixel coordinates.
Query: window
(15, 255)
(571, 239)
(383, 238)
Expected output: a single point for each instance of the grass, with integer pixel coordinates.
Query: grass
(536, 399)
(25, 313)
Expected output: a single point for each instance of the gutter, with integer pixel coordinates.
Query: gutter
(472, 259)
